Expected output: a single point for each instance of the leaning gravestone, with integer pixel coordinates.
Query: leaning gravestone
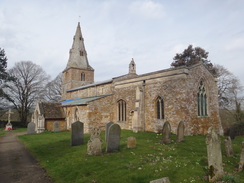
(228, 147)
(214, 155)
(162, 180)
(113, 140)
(106, 130)
(56, 126)
(94, 145)
(180, 132)
(77, 133)
(166, 133)
(241, 164)
(131, 142)
(31, 127)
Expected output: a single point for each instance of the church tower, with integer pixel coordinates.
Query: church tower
(78, 72)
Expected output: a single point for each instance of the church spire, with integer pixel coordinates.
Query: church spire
(77, 54)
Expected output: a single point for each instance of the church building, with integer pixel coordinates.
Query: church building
(139, 102)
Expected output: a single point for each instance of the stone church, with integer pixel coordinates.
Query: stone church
(139, 102)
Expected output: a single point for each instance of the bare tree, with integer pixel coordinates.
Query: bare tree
(29, 85)
(229, 92)
(53, 89)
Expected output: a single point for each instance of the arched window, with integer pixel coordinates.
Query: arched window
(82, 76)
(202, 100)
(121, 110)
(160, 108)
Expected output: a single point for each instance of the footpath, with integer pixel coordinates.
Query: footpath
(16, 164)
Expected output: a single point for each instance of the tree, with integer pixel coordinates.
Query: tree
(191, 56)
(4, 76)
(229, 92)
(29, 85)
(53, 89)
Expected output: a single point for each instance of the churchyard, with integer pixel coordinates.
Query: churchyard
(146, 160)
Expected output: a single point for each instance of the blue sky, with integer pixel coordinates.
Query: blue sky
(150, 31)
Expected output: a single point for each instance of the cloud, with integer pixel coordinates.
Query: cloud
(236, 44)
(147, 9)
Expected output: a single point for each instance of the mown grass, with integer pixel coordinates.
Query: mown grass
(183, 162)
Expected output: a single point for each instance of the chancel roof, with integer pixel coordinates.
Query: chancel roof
(51, 110)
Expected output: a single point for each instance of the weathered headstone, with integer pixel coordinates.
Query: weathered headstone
(241, 164)
(106, 130)
(214, 155)
(180, 132)
(162, 180)
(31, 127)
(131, 142)
(94, 145)
(113, 140)
(56, 126)
(228, 147)
(166, 132)
(77, 133)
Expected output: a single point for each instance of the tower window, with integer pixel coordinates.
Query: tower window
(121, 110)
(82, 76)
(81, 53)
(160, 108)
(202, 100)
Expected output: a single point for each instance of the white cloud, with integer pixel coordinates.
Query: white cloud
(147, 9)
(236, 44)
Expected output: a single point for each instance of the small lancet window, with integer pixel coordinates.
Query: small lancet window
(160, 108)
(202, 100)
(121, 110)
(83, 76)
(81, 53)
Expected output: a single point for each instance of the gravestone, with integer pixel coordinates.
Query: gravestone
(31, 127)
(228, 147)
(215, 165)
(180, 132)
(131, 142)
(77, 133)
(166, 132)
(94, 145)
(56, 126)
(232, 133)
(162, 180)
(241, 164)
(106, 130)
(113, 140)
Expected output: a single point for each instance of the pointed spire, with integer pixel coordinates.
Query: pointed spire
(132, 67)
(77, 54)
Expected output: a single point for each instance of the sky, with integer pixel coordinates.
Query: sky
(115, 31)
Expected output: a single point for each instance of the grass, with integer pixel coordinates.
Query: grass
(183, 162)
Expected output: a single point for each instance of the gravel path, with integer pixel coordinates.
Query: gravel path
(16, 163)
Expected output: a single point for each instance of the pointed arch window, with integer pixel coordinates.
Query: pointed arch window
(83, 76)
(160, 108)
(121, 110)
(202, 100)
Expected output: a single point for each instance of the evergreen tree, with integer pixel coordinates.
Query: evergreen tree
(4, 76)
(191, 56)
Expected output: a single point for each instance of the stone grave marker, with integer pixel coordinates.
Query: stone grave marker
(166, 133)
(162, 180)
(232, 133)
(131, 142)
(228, 147)
(77, 133)
(31, 127)
(94, 145)
(106, 130)
(215, 165)
(113, 140)
(180, 132)
(56, 126)
(241, 164)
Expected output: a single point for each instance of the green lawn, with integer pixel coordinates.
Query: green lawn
(182, 162)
